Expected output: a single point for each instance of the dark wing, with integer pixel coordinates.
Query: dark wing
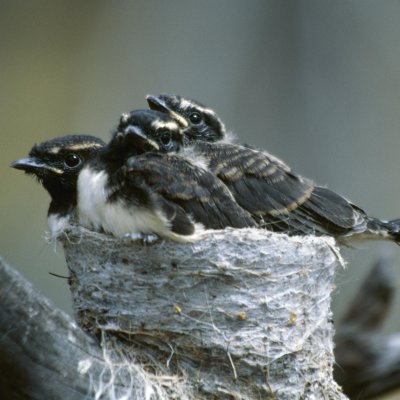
(324, 212)
(280, 199)
(261, 182)
(198, 192)
(131, 185)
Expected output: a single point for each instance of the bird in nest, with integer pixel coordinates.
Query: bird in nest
(276, 197)
(121, 189)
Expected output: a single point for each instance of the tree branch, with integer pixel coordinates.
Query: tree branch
(45, 355)
(368, 361)
(41, 348)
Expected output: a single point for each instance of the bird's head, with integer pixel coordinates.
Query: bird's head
(197, 121)
(56, 163)
(149, 130)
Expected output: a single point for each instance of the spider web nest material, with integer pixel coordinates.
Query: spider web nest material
(242, 314)
(123, 377)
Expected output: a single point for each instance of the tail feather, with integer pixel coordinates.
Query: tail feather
(385, 229)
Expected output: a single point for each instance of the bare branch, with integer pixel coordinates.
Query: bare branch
(368, 361)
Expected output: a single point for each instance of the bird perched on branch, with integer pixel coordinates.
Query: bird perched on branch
(278, 198)
(110, 189)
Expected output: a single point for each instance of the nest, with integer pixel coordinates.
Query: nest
(242, 314)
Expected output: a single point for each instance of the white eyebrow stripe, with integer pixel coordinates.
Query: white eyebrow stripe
(54, 150)
(75, 147)
(206, 110)
(185, 104)
(82, 146)
(157, 124)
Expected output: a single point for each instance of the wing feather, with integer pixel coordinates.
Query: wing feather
(198, 192)
(280, 199)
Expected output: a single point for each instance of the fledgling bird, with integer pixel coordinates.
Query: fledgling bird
(198, 121)
(278, 198)
(56, 164)
(105, 189)
(182, 193)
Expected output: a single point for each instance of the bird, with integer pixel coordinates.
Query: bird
(112, 188)
(56, 164)
(185, 196)
(278, 198)
(198, 121)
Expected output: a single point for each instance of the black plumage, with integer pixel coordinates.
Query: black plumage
(56, 164)
(194, 189)
(122, 188)
(278, 198)
(181, 184)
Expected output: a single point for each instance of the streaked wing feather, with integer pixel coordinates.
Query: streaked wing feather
(135, 189)
(196, 190)
(260, 183)
(335, 210)
(324, 213)
(264, 185)
(180, 222)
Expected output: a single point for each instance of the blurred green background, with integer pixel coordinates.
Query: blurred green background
(315, 82)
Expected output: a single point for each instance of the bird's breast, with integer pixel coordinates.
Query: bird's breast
(97, 211)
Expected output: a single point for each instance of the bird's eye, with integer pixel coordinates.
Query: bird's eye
(195, 118)
(165, 138)
(72, 160)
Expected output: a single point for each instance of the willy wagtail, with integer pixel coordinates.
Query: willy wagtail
(56, 164)
(115, 189)
(278, 198)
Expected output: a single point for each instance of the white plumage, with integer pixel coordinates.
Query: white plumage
(95, 211)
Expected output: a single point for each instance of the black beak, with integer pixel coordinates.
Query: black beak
(156, 104)
(141, 138)
(31, 164)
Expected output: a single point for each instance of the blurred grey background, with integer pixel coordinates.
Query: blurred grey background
(315, 82)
